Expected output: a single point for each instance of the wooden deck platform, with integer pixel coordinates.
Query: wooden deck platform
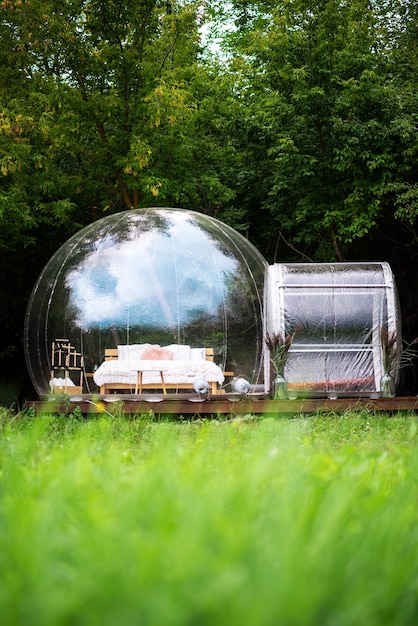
(187, 405)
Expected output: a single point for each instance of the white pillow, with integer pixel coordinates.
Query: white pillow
(157, 353)
(181, 352)
(132, 352)
(198, 354)
(123, 352)
(62, 382)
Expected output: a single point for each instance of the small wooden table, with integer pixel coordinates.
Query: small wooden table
(139, 373)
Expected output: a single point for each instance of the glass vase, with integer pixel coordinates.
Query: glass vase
(280, 390)
(387, 386)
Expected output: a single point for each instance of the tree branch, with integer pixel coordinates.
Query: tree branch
(122, 185)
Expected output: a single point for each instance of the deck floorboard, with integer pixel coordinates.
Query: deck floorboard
(182, 404)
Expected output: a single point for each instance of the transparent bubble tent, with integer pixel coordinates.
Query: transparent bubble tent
(339, 315)
(174, 280)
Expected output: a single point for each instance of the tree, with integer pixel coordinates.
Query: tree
(333, 141)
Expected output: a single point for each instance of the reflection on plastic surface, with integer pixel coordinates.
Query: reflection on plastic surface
(158, 276)
(338, 311)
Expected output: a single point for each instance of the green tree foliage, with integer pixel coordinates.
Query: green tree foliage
(402, 40)
(334, 140)
(117, 86)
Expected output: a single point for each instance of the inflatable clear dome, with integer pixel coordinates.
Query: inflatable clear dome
(166, 278)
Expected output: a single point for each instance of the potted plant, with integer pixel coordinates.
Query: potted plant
(278, 346)
(393, 352)
(390, 352)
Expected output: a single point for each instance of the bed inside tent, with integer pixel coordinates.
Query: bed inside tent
(338, 315)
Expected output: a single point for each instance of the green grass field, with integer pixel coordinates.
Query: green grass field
(256, 521)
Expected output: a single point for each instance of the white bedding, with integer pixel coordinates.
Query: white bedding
(175, 372)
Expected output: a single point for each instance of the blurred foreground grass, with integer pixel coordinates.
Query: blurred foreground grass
(251, 522)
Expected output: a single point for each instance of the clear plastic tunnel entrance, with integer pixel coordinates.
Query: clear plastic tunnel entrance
(157, 276)
(336, 313)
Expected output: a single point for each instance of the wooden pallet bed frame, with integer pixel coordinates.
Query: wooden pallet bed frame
(111, 354)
